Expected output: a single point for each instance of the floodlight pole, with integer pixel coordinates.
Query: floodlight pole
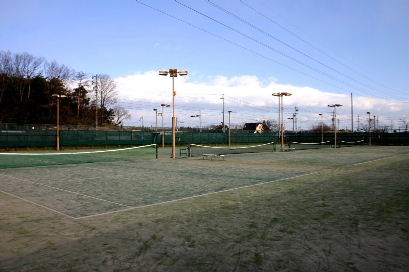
(58, 118)
(335, 122)
(229, 127)
(163, 128)
(200, 120)
(369, 128)
(156, 119)
(173, 73)
(322, 129)
(281, 115)
(374, 123)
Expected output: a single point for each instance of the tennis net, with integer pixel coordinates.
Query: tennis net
(327, 144)
(195, 150)
(25, 159)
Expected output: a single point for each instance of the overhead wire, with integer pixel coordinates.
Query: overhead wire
(231, 42)
(248, 49)
(239, 45)
(226, 11)
(270, 47)
(315, 47)
(263, 44)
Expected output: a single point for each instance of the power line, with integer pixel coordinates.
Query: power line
(238, 45)
(235, 43)
(314, 47)
(264, 44)
(284, 43)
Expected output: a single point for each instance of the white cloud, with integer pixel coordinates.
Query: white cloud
(251, 96)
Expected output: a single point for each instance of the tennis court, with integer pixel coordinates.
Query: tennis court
(96, 183)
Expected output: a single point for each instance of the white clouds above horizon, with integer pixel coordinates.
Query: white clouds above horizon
(247, 90)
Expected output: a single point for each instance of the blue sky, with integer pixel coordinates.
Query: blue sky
(365, 42)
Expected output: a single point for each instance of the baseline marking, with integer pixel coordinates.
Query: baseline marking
(63, 190)
(36, 204)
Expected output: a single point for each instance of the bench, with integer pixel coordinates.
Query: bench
(212, 156)
(183, 152)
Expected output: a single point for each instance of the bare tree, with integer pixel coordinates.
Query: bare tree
(120, 115)
(6, 63)
(83, 79)
(106, 88)
(105, 94)
(60, 71)
(19, 66)
(29, 67)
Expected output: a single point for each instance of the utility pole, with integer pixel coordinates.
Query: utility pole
(96, 99)
(229, 127)
(352, 114)
(141, 119)
(295, 119)
(369, 128)
(223, 126)
(358, 122)
(377, 122)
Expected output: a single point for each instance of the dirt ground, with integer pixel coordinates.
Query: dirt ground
(351, 218)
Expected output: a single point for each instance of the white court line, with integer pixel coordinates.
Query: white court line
(36, 204)
(365, 162)
(227, 190)
(196, 196)
(175, 200)
(63, 190)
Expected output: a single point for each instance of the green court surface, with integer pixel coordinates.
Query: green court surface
(112, 182)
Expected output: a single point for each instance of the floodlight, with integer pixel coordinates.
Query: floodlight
(173, 73)
(59, 95)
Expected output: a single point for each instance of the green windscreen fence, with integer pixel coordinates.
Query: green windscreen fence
(73, 138)
(77, 138)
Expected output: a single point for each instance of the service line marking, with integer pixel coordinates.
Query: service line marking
(196, 196)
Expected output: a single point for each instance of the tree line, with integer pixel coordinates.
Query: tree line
(29, 85)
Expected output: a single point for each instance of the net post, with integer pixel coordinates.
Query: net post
(156, 151)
